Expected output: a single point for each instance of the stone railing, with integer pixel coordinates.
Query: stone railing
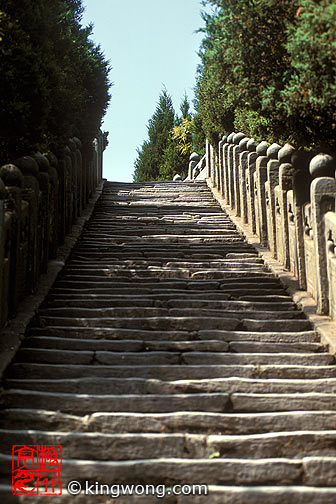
(40, 199)
(287, 198)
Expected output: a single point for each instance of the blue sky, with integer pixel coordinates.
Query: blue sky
(150, 44)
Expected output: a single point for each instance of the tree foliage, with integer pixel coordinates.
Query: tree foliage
(268, 69)
(54, 82)
(167, 149)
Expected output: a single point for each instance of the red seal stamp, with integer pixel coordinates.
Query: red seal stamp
(37, 469)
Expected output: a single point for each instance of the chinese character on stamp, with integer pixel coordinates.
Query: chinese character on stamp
(37, 469)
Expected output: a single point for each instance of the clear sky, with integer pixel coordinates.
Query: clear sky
(150, 44)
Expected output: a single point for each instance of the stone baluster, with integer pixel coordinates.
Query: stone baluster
(252, 208)
(81, 174)
(323, 194)
(74, 179)
(3, 282)
(301, 196)
(272, 182)
(194, 159)
(13, 180)
(286, 174)
(31, 194)
(260, 179)
(230, 175)
(54, 231)
(221, 144)
(243, 160)
(235, 170)
(226, 178)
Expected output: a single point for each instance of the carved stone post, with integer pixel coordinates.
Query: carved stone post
(13, 180)
(323, 193)
(193, 162)
(260, 199)
(243, 157)
(235, 170)
(3, 283)
(31, 194)
(286, 173)
(272, 182)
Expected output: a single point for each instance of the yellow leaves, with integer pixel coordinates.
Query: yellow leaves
(182, 134)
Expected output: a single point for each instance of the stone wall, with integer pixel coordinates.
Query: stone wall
(287, 198)
(40, 199)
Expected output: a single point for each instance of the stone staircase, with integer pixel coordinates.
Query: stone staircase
(166, 352)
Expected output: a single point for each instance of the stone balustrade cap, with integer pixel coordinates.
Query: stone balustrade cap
(42, 161)
(53, 161)
(261, 148)
(27, 165)
(322, 165)
(177, 177)
(11, 175)
(243, 143)
(285, 153)
(251, 145)
(238, 137)
(272, 151)
(72, 144)
(66, 151)
(77, 142)
(230, 137)
(194, 157)
(2, 190)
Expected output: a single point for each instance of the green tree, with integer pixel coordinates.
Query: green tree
(176, 155)
(244, 66)
(151, 153)
(54, 81)
(309, 97)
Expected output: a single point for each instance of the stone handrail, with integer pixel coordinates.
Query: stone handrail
(287, 198)
(40, 199)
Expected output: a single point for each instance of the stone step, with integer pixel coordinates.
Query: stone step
(295, 445)
(170, 372)
(183, 470)
(90, 403)
(137, 345)
(151, 386)
(170, 357)
(179, 323)
(190, 421)
(216, 299)
(193, 335)
(228, 311)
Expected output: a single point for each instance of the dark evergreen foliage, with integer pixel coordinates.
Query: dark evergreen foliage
(54, 80)
(269, 69)
(150, 155)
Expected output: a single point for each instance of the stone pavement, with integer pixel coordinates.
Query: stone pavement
(167, 353)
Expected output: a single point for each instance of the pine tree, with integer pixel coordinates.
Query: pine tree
(151, 154)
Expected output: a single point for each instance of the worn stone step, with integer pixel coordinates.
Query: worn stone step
(230, 311)
(170, 372)
(193, 335)
(283, 402)
(190, 421)
(152, 386)
(163, 323)
(182, 470)
(135, 345)
(167, 345)
(46, 355)
(297, 445)
(90, 403)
